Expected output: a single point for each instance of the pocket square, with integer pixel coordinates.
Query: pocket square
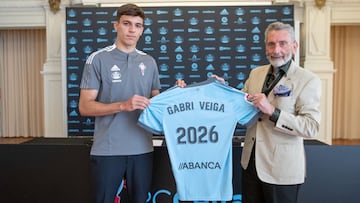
(282, 91)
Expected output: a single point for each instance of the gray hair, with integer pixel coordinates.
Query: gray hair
(280, 26)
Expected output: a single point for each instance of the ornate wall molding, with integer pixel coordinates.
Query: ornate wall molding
(345, 14)
(316, 38)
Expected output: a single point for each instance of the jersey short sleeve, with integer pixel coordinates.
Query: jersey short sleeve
(198, 122)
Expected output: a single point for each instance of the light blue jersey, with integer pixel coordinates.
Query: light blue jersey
(198, 122)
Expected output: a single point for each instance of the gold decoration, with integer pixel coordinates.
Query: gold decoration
(54, 5)
(320, 3)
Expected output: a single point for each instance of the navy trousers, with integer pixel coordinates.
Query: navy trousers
(109, 172)
(256, 191)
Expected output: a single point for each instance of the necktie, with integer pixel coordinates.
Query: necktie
(271, 80)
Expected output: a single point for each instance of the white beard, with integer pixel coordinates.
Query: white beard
(279, 61)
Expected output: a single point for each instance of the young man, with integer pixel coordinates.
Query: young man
(116, 85)
(273, 158)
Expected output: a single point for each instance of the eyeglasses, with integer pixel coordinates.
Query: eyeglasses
(282, 44)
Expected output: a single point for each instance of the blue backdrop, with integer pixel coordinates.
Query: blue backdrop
(189, 43)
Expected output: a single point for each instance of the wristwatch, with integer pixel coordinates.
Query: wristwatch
(275, 116)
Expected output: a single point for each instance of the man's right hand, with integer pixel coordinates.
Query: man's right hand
(180, 83)
(135, 102)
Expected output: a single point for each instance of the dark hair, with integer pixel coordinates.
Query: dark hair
(130, 10)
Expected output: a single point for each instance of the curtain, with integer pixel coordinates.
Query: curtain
(345, 53)
(23, 53)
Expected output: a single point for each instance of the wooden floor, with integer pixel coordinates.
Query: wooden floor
(346, 142)
(5, 140)
(18, 140)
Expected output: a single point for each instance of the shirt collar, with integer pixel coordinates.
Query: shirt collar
(284, 68)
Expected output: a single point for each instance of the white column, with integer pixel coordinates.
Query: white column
(55, 121)
(317, 59)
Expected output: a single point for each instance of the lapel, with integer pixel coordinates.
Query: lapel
(261, 76)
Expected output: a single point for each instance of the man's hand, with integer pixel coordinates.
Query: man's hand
(135, 102)
(180, 83)
(261, 102)
(222, 80)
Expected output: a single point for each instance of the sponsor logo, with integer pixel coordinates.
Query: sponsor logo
(199, 165)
